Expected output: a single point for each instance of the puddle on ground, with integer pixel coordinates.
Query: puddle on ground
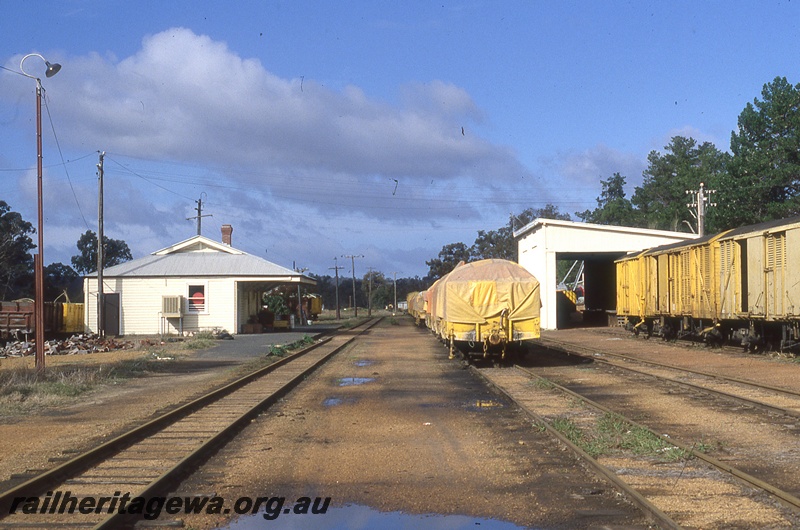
(353, 381)
(486, 404)
(356, 517)
(364, 362)
(476, 404)
(437, 405)
(334, 401)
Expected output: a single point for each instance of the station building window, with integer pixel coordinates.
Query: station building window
(196, 296)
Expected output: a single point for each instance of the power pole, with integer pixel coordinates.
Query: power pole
(394, 307)
(699, 200)
(353, 264)
(336, 268)
(101, 309)
(199, 215)
(369, 294)
(300, 300)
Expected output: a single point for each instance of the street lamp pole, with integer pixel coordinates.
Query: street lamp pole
(38, 258)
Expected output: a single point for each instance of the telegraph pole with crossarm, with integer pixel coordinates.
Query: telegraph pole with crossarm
(699, 202)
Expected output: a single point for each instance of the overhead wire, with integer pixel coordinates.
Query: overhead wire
(150, 180)
(63, 162)
(310, 188)
(11, 169)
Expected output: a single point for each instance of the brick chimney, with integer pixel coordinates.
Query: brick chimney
(227, 230)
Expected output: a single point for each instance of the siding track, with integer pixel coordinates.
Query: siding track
(150, 459)
(770, 398)
(671, 495)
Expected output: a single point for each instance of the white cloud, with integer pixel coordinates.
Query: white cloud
(286, 161)
(187, 97)
(689, 131)
(577, 174)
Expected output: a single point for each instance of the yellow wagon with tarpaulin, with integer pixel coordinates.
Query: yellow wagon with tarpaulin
(484, 306)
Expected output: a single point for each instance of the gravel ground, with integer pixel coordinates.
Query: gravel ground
(764, 445)
(418, 435)
(80, 423)
(391, 424)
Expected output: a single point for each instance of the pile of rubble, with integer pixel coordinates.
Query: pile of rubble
(75, 345)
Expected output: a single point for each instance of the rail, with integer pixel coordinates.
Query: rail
(239, 401)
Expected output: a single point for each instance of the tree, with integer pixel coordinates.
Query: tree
(764, 180)
(612, 206)
(16, 262)
(500, 243)
(494, 244)
(550, 211)
(662, 199)
(382, 289)
(61, 279)
(409, 285)
(115, 251)
(450, 256)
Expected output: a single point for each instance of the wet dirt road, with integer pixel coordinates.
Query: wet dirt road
(392, 425)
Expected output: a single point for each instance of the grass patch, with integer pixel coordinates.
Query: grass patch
(201, 341)
(541, 383)
(592, 445)
(27, 390)
(153, 362)
(620, 434)
(279, 350)
(612, 434)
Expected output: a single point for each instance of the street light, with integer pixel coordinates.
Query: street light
(38, 259)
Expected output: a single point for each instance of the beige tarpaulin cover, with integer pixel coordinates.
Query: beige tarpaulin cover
(478, 291)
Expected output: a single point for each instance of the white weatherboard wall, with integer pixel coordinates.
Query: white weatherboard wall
(541, 241)
(140, 304)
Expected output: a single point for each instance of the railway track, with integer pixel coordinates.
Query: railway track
(665, 491)
(769, 398)
(147, 461)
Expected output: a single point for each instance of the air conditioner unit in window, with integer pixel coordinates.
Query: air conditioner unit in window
(172, 306)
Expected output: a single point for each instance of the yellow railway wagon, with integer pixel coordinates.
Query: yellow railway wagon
(632, 282)
(673, 289)
(742, 284)
(483, 306)
(760, 284)
(417, 306)
(72, 321)
(410, 302)
(687, 279)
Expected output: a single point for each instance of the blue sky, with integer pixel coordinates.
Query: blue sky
(383, 129)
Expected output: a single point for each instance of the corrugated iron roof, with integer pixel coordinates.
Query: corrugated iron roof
(204, 260)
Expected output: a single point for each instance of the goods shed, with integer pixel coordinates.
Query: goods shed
(543, 242)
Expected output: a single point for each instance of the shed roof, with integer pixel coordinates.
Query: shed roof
(595, 228)
(202, 257)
